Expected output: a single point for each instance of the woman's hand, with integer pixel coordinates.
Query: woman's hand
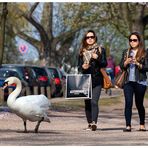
(94, 56)
(85, 66)
(127, 61)
(137, 63)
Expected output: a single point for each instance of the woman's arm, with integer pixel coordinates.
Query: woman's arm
(80, 62)
(123, 64)
(143, 66)
(102, 61)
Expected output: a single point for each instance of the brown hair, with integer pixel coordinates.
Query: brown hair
(84, 43)
(141, 52)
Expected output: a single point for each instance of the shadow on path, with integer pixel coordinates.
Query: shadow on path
(109, 129)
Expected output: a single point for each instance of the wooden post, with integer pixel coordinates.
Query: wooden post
(42, 90)
(1, 96)
(48, 92)
(23, 92)
(35, 90)
(28, 92)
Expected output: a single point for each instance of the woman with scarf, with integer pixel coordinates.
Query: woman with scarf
(91, 59)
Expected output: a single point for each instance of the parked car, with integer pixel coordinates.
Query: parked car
(5, 73)
(24, 71)
(56, 81)
(41, 76)
(34, 75)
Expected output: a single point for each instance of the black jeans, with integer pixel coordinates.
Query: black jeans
(130, 89)
(91, 105)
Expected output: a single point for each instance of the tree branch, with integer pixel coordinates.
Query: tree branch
(32, 9)
(29, 18)
(32, 41)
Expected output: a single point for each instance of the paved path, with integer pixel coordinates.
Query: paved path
(67, 128)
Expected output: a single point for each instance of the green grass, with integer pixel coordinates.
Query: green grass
(77, 104)
(68, 105)
(71, 105)
(110, 101)
(146, 95)
(3, 103)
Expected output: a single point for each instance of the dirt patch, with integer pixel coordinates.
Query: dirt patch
(67, 126)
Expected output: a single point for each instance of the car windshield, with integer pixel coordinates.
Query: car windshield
(53, 72)
(40, 71)
(8, 73)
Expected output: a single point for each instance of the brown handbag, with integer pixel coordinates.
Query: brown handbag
(121, 77)
(106, 80)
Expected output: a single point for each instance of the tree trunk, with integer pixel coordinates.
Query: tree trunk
(2, 31)
(137, 20)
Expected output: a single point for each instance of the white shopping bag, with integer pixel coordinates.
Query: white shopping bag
(78, 86)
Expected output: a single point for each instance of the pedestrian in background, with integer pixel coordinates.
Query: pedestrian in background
(136, 66)
(117, 70)
(91, 59)
(111, 67)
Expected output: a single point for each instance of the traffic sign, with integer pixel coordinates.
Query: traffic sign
(23, 48)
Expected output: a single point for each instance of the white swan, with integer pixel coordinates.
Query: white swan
(32, 107)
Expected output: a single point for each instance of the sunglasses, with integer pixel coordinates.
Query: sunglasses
(91, 37)
(133, 40)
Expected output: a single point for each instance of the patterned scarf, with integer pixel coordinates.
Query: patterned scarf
(92, 47)
(88, 53)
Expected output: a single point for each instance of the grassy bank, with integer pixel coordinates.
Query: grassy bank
(71, 105)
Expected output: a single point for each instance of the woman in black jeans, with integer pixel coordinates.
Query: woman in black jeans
(136, 66)
(91, 59)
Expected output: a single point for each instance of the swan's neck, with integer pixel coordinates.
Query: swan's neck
(12, 97)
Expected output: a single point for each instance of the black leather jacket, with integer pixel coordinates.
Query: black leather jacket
(94, 69)
(139, 73)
